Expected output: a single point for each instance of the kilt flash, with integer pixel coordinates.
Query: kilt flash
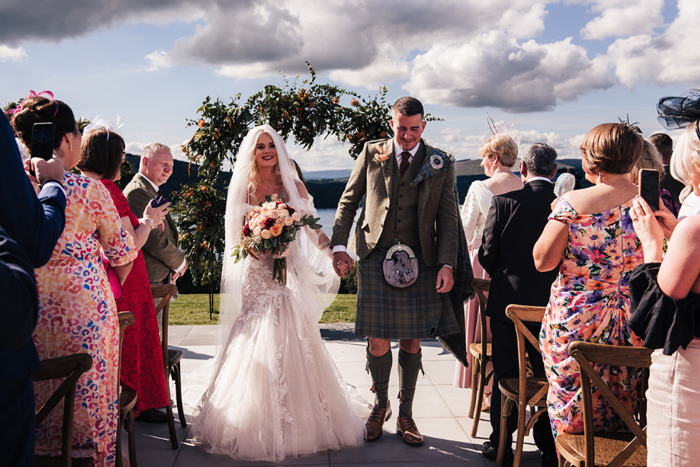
(414, 312)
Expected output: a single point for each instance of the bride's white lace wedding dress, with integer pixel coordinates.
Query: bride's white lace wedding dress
(275, 391)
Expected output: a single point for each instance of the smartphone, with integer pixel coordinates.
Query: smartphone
(158, 201)
(649, 187)
(42, 140)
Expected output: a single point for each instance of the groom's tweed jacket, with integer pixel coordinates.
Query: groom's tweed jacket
(422, 215)
(436, 209)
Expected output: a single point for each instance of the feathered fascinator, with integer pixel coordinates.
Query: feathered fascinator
(681, 111)
(501, 128)
(99, 123)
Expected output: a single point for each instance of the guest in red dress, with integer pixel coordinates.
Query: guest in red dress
(101, 156)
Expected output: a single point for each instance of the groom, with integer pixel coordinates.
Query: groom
(409, 194)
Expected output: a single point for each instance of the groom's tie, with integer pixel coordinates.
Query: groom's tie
(404, 162)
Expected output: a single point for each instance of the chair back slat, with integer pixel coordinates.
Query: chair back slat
(165, 292)
(481, 287)
(70, 367)
(638, 357)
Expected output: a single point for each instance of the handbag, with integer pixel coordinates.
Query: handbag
(114, 282)
(400, 266)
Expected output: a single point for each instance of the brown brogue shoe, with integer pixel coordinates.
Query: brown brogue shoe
(407, 429)
(376, 420)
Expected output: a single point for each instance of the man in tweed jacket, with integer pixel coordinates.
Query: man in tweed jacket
(164, 260)
(409, 198)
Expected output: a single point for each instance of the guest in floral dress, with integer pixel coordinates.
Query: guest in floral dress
(77, 312)
(101, 158)
(591, 239)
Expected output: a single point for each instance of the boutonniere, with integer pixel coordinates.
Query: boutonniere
(381, 158)
(436, 162)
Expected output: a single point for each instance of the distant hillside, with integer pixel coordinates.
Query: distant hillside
(183, 174)
(327, 186)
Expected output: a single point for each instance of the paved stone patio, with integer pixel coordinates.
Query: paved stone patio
(440, 412)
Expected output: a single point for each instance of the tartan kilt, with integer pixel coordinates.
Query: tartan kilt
(414, 312)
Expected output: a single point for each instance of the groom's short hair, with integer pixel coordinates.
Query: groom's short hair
(408, 106)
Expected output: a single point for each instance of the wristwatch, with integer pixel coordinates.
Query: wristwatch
(445, 265)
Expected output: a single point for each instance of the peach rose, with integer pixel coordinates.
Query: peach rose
(288, 221)
(266, 234)
(257, 231)
(296, 217)
(284, 213)
(279, 221)
(274, 214)
(276, 230)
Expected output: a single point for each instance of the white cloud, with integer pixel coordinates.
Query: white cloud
(325, 154)
(11, 53)
(623, 18)
(134, 147)
(670, 57)
(524, 24)
(495, 70)
(158, 60)
(383, 70)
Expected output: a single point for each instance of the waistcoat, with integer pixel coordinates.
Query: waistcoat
(401, 223)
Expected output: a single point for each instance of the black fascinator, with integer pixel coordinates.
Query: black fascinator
(681, 111)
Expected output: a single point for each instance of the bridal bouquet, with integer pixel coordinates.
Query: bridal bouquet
(269, 229)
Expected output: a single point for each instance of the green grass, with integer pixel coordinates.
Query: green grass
(194, 309)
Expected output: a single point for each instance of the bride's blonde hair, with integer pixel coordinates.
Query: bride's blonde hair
(253, 178)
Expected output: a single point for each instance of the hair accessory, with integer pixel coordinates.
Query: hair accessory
(634, 126)
(31, 94)
(99, 123)
(681, 111)
(501, 128)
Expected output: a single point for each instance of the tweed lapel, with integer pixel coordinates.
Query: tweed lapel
(426, 185)
(146, 185)
(388, 166)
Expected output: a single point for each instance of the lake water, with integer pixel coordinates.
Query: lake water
(327, 216)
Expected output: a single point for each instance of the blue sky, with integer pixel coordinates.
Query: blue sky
(554, 69)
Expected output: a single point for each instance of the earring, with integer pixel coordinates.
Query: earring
(599, 177)
(71, 148)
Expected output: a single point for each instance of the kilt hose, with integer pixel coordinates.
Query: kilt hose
(414, 312)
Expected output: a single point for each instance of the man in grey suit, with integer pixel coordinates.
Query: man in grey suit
(409, 198)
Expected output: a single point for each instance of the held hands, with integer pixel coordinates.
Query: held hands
(445, 280)
(342, 263)
(284, 253)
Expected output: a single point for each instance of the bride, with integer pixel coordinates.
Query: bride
(274, 391)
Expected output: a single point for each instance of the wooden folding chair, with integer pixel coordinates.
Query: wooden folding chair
(171, 359)
(610, 449)
(524, 391)
(481, 355)
(127, 398)
(70, 367)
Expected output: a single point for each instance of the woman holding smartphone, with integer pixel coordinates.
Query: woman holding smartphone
(77, 311)
(665, 294)
(590, 238)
